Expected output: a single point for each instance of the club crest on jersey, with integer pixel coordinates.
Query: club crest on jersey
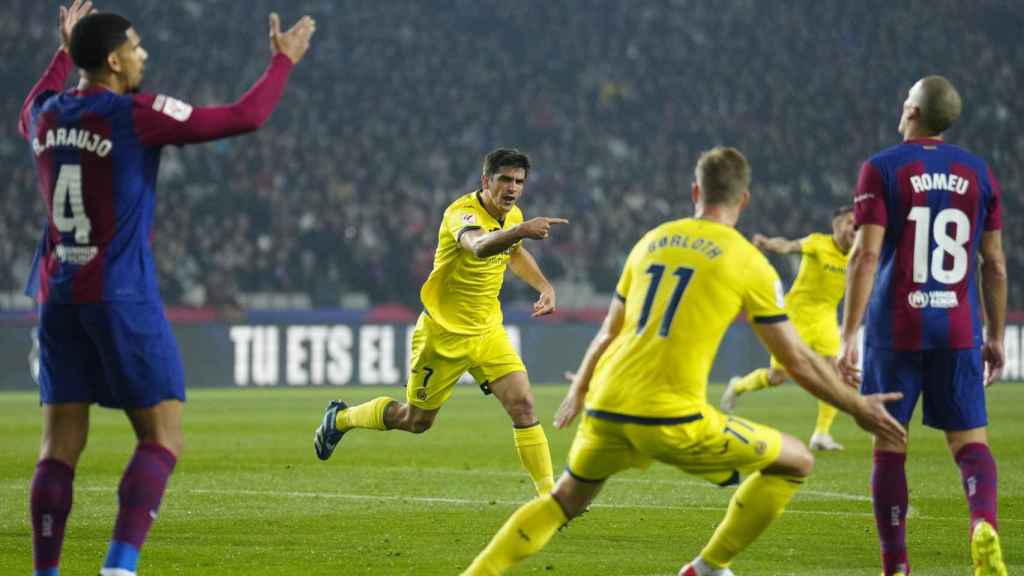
(469, 219)
(172, 107)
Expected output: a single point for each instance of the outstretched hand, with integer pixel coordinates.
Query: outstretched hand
(295, 41)
(571, 405)
(539, 228)
(876, 419)
(68, 17)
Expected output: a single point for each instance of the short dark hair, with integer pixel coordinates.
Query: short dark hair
(505, 158)
(842, 211)
(722, 174)
(940, 103)
(95, 37)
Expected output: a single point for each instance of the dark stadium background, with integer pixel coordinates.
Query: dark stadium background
(336, 202)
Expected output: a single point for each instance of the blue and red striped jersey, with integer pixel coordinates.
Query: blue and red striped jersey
(97, 154)
(935, 200)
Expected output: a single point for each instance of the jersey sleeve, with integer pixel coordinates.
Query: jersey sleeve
(808, 245)
(869, 197)
(52, 81)
(160, 120)
(461, 219)
(763, 298)
(994, 207)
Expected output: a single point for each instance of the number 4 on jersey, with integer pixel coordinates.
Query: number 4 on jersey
(67, 199)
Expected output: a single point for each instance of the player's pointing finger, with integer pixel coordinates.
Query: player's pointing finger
(557, 221)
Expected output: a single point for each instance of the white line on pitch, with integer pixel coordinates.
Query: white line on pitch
(471, 502)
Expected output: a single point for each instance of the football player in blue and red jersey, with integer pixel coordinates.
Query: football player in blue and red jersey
(927, 213)
(103, 335)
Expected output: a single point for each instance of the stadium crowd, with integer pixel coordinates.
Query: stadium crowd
(343, 192)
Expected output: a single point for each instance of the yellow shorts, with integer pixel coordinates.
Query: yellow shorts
(822, 337)
(714, 446)
(440, 358)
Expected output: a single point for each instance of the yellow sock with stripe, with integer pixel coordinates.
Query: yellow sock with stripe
(757, 503)
(368, 415)
(522, 536)
(532, 446)
(826, 414)
(756, 380)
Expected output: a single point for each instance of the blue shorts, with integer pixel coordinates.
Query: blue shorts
(951, 381)
(117, 354)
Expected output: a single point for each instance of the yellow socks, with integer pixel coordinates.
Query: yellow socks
(523, 535)
(826, 414)
(756, 380)
(532, 446)
(366, 415)
(755, 505)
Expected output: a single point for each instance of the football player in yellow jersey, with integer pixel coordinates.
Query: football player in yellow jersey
(643, 381)
(811, 304)
(460, 329)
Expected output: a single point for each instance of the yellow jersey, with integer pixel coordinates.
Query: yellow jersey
(820, 283)
(683, 285)
(461, 293)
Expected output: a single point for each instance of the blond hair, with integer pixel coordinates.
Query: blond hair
(723, 174)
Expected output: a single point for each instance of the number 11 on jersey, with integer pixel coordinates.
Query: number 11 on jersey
(657, 271)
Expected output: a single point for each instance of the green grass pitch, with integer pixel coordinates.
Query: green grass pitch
(250, 498)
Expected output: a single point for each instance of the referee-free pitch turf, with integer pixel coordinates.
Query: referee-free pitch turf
(249, 497)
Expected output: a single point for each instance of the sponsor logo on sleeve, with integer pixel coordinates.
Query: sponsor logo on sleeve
(172, 107)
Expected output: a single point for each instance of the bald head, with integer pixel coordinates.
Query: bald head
(938, 101)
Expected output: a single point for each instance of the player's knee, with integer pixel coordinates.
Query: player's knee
(419, 424)
(66, 449)
(520, 409)
(795, 459)
(803, 463)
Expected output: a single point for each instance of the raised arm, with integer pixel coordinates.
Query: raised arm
(574, 399)
(814, 374)
(777, 244)
(160, 120)
(526, 269)
(56, 74)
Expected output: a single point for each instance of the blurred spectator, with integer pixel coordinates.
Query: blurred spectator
(342, 193)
